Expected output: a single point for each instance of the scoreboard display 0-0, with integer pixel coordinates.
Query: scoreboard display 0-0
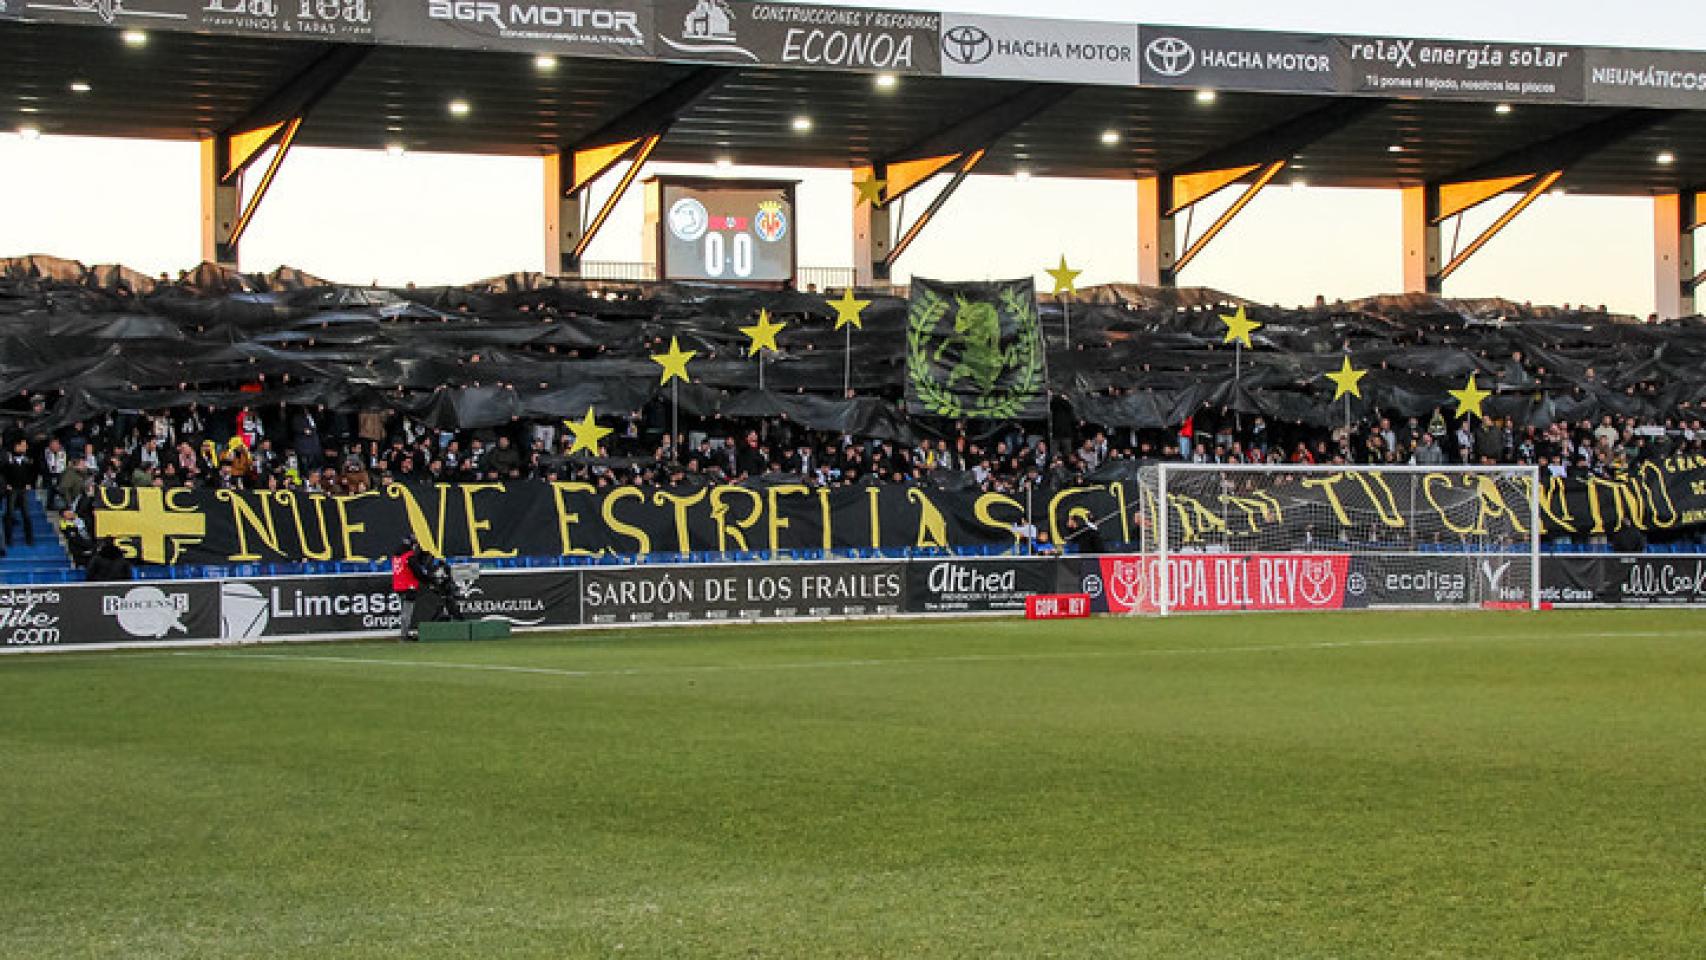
(712, 230)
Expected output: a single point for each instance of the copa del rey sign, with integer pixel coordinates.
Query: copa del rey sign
(1203, 582)
(1057, 606)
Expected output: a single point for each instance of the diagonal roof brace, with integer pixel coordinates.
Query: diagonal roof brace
(961, 146)
(273, 122)
(633, 135)
(641, 152)
(976, 133)
(1456, 197)
(617, 139)
(1201, 178)
(1208, 174)
(1268, 172)
(265, 123)
(1534, 169)
(1568, 148)
(1483, 181)
(1258, 158)
(1536, 189)
(965, 168)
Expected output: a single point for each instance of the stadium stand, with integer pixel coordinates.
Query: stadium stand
(221, 380)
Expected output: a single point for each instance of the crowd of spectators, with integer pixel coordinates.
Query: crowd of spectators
(311, 448)
(318, 450)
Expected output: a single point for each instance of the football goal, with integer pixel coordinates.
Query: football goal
(1215, 537)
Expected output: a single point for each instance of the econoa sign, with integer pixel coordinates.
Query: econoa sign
(1208, 582)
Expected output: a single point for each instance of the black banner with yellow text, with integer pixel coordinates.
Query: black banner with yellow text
(537, 518)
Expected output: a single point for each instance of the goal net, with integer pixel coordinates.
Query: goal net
(1216, 537)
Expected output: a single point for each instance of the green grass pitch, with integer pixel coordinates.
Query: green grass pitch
(1304, 786)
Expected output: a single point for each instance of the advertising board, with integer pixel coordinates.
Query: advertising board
(1030, 48)
(137, 612)
(1447, 69)
(663, 594)
(799, 35)
(252, 609)
(955, 585)
(1240, 60)
(1213, 582)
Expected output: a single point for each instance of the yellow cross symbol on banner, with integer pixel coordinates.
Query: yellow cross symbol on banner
(153, 524)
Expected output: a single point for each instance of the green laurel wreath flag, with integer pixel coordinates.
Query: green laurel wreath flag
(974, 350)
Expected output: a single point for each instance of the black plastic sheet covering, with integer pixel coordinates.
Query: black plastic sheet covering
(94, 339)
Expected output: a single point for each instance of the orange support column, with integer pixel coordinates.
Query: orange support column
(1422, 260)
(220, 203)
(1676, 217)
(1157, 241)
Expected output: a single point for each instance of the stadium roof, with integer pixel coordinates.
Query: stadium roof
(76, 79)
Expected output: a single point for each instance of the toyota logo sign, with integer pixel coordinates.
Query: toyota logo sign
(967, 44)
(1169, 56)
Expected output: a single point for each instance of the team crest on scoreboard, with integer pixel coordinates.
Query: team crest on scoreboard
(771, 224)
(688, 219)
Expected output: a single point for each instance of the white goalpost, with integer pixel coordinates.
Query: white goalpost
(1216, 537)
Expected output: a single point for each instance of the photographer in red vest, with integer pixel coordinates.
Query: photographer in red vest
(409, 571)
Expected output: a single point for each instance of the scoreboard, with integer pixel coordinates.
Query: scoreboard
(713, 230)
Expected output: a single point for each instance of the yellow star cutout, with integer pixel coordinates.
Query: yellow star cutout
(1347, 381)
(1470, 397)
(674, 363)
(762, 334)
(1239, 327)
(871, 190)
(587, 433)
(1063, 276)
(847, 310)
